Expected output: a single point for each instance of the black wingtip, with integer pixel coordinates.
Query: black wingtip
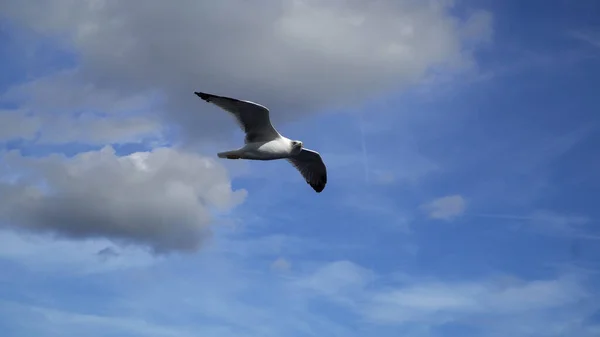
(202, 95)
(319, 186)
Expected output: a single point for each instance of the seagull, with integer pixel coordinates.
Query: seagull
(263, 142)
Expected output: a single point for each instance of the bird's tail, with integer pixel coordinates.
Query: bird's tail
(234, 154)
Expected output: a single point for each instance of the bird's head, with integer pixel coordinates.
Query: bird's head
(296, 146)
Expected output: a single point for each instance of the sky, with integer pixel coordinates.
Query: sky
(459, 138)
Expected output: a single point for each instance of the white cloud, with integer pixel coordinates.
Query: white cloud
(446, 208)
(162, 199)
(335, 52)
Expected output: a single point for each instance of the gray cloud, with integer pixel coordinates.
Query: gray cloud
(161, 199)
(107, 253)
(15, 124)
(294, 56)
(97, 130)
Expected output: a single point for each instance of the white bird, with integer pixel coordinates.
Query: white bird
(263, 142)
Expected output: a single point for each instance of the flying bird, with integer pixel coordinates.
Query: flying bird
(263, 142)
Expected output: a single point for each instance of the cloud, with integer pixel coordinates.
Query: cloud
(107, 253)
(436, 302)
(478, 26)
(379, 210)
(550, 223)
(94, 130)
(337, 277)
(590, 37)
(17, 125)
(81, 114)
(445, 208)
(229, 295)
(295, 56)
(88, 324)
(281, 264)
(384, 177)
(500, 303)
(217, 295)
(162, 199)
(66, 257)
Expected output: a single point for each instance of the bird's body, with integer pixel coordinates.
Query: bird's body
(263, 142)
(279, 148)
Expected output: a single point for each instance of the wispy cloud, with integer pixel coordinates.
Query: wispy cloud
(445, 208)
(89, 324)
(590, 37)
(46, 254)
(281, 264)
(434, 302)
(550, 223)
(387, 212)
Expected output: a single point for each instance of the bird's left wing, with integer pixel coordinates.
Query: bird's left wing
(252, 118)
(312, 168)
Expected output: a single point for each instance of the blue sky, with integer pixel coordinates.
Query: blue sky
(460, 201)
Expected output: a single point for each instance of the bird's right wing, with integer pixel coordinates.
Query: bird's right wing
(312, 168)
(253, 118)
